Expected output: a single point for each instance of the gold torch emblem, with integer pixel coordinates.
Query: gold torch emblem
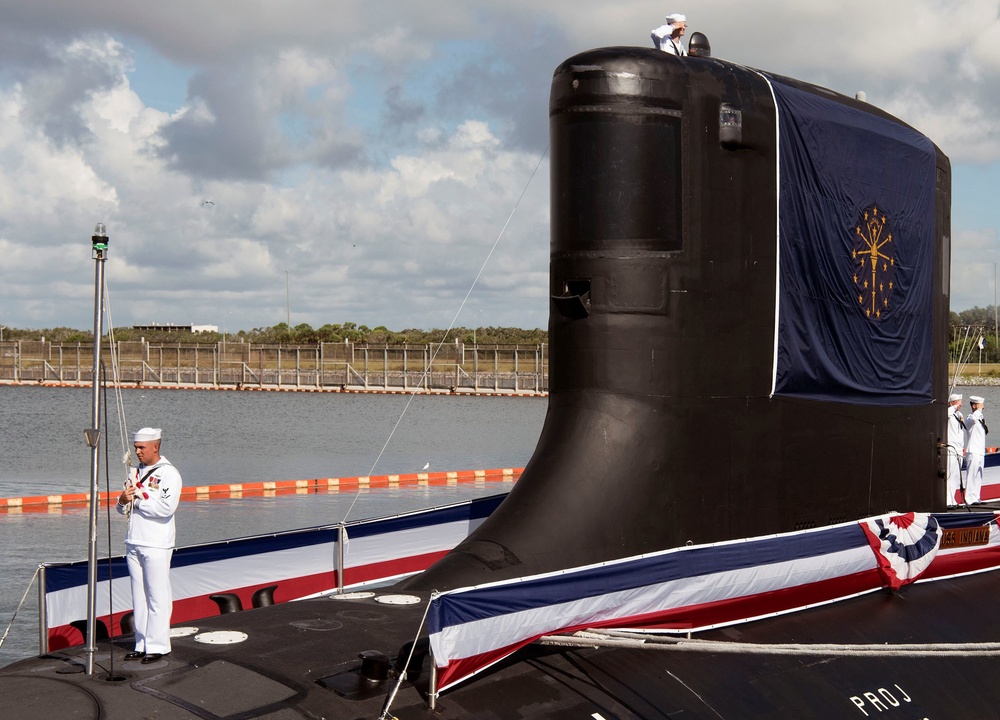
(874, 272)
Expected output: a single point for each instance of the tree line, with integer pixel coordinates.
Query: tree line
(981, 320)
(302, 334)
(966, 327)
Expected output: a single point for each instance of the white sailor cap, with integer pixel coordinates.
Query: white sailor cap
(146, 434)
(675, 18)
(976, 399)
(954, 397)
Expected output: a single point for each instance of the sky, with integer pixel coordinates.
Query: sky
(385, 163)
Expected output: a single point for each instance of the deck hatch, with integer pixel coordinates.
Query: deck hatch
(197, 690)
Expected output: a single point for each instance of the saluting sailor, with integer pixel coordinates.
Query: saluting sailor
(667, 37)
(956, 448)
(975, 451)
(149, 500)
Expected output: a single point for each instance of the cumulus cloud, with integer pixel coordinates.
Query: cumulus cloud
(371, 156)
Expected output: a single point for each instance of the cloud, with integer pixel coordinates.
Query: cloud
(973, 268)
(52, 93)
(375, 153)
(252, 120)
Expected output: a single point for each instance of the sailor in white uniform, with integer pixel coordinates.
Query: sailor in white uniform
(975, 450)
(667, 37)
(956, 447)
(149, 500)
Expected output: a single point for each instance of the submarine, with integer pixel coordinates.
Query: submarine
(736, 507)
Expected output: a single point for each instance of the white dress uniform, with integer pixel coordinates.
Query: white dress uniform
(956, 450)
(975, 452)
(662, 39)
(149, 545)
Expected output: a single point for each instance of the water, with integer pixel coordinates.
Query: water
(216, 437)
(225, 437)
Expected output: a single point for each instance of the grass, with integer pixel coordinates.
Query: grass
(974, 369)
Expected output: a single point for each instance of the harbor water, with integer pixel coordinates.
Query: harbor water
(222, 437)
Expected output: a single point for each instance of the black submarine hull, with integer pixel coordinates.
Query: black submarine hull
(664, 429)
(301, 661)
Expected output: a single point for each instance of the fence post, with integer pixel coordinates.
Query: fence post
(538, 368)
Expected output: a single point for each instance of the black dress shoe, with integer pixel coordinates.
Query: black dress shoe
(135, 655)
(152, 657)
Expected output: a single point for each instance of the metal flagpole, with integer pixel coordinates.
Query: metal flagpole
(100, 249)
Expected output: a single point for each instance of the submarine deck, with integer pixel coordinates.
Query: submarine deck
(301, 660)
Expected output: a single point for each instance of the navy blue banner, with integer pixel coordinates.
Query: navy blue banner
(856, 254)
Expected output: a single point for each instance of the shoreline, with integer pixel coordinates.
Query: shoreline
(343, 389)
(977, 381)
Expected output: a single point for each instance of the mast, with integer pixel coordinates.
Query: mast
(100, 249)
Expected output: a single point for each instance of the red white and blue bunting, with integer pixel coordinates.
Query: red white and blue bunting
(699, 587)
(904, 545)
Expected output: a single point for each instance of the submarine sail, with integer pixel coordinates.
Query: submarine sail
(723, 362)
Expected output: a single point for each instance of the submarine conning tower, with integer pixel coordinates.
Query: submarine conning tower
(748, 321)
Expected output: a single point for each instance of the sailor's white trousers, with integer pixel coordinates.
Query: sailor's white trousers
(152, 601)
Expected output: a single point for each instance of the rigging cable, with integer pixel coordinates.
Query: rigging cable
(453, 321)
(384, 715)
(635, 640)
(107, 489)
(963, 358)
(125, 453)
(116, 383)
(18, 608)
